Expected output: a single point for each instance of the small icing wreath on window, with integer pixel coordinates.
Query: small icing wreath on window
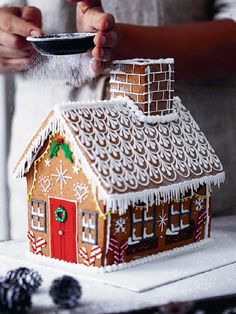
(60, 214)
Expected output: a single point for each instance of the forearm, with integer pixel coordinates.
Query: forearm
(202, 50)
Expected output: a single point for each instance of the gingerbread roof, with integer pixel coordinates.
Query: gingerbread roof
(126, 159)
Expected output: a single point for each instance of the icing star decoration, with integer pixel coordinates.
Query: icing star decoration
(76, 169)
(61, 176)
(162, 220)
(47, 162)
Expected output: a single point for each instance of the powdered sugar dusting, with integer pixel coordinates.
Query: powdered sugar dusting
(73, 69)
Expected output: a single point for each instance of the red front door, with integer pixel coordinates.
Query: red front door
(63, 234)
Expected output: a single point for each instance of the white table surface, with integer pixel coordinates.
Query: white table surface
(102, 298)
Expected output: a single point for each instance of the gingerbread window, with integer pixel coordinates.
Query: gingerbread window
(38, 215)
(89, 227)
(179, 215)
(143, 222)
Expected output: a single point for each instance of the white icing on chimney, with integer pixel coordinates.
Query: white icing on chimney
(149, 83)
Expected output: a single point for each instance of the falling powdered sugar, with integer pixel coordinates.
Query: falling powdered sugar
(73, 69)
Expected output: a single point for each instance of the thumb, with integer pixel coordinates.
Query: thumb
(33, 16)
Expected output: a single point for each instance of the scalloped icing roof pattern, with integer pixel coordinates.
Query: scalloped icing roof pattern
(129, 155)
(129, 160)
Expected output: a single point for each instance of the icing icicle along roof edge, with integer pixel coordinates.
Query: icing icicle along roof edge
(128, 160)
(162, 194)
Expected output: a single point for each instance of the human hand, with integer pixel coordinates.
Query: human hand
(92, 18)
(15, 25)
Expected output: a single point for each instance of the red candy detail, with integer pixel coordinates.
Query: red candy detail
(60, 140)
(118, 250)
(36, 243)
(201, 222)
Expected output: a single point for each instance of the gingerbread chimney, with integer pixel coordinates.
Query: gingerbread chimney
(149, 83)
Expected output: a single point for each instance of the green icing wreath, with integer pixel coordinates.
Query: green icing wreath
(60, 214)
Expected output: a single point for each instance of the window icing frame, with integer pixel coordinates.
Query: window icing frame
(88, 227)
(144, 219)
(39, 215)
(180, 213)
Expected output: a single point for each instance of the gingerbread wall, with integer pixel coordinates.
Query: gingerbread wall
(163, 239)
(149, 83)
(126, 240)
(44, 184)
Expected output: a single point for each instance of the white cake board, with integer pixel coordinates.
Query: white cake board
(220, 252)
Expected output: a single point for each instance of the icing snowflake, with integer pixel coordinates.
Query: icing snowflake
(198, 204)
(120, 225)
(47, 162)
(75, 169)
(61, 176)
(81, 191)
(162, 220)
(45, 183)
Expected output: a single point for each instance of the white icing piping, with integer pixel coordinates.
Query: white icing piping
(151, 119)
(112, 80)
(70, 105)
(56, 124)
(111, 268)
(162, 194)
(169, 87)
(131, 179)
(51, 127)
(80, 158)
(207, 226)
(149, 94)
(121, 200)
(108, 225)
(140, 61)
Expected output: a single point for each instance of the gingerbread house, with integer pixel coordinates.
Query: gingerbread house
(115, 181)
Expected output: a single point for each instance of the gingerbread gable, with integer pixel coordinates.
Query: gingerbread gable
(128, 160)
